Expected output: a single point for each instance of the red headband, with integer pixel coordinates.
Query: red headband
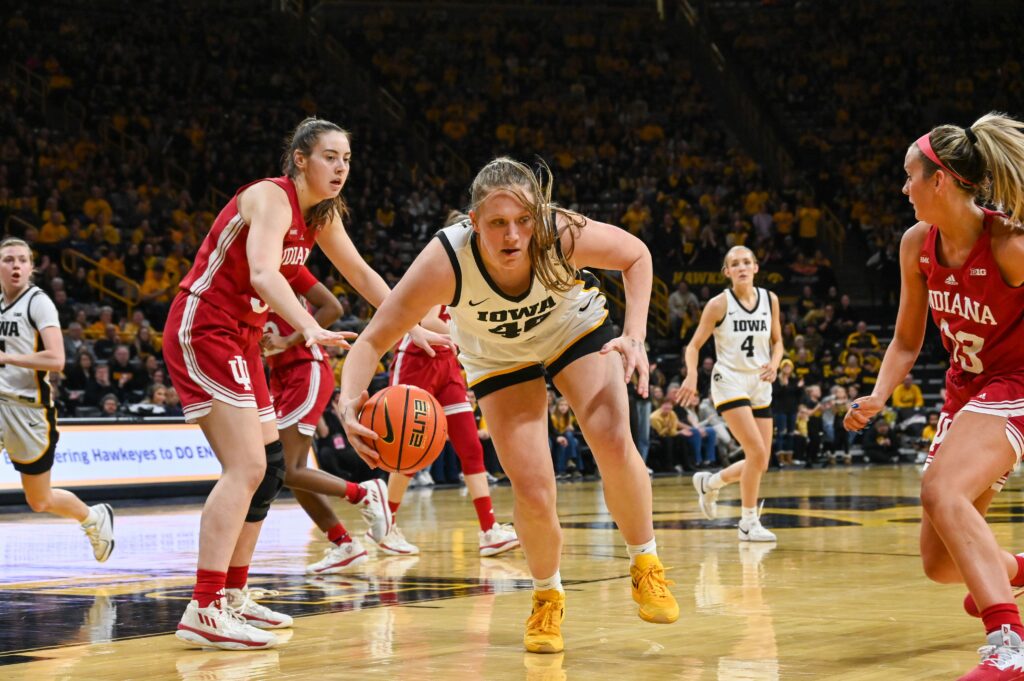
(925, 145)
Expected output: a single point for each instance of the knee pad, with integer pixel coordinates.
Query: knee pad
(270, 486)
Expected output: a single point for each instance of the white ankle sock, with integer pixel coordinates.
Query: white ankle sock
(635, 550)
(716, 482)
(552, 582)
(749, 515)
(92, 517)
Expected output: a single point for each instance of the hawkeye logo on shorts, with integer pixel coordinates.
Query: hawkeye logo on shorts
(513, 322)
(240, 372)
(389, 435)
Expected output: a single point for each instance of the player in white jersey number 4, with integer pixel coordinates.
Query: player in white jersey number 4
(28, 421)
(748, 342)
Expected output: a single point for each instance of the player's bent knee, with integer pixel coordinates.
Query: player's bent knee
(271, 484)
(940, 569)
(39, 503)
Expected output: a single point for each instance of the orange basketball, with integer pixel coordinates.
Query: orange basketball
(410, 424)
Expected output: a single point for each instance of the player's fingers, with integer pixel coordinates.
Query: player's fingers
(644, 371)
(367, 455)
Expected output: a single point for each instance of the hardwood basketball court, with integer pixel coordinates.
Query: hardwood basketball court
(842, 596)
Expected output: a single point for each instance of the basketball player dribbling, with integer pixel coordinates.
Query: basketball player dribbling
(301, 384)
(748, 343)
(28, 420)
(966, 263)
(212, 350)
(441, 376)
(521, 307)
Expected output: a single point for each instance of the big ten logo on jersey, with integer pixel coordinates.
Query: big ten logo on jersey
(294, 255)
(240, 372)
(419, 422)
(513, 322)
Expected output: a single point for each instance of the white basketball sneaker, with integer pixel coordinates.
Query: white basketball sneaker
(706, 497)
(1001, 660)
(499, 539)
(220, 627)
(339, 558)
(753, 530)
(100, 531)
(243, 602)
(393, 543)
(374, 507)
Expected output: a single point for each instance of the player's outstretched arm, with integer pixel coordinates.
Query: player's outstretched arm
(429, 281)
(712, 314)
(908, 336)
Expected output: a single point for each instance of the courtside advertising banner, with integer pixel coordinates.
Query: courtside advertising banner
(125, 454)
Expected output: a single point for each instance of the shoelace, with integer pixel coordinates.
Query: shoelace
(546, 617)
(229, 614)
(92, 532)
(397, 534)
(1000, 657)
(256, 593)
(653, 579)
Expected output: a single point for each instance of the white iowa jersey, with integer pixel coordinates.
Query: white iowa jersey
(743, 339)
(21, 320)
(534, 327)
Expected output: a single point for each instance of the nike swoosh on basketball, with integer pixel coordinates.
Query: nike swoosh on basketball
(389, 436)
(474, 303)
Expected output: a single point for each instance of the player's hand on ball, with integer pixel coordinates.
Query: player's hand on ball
(358, 434)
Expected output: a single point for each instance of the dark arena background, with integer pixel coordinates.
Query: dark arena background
(696, 125)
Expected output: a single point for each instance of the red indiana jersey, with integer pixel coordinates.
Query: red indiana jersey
(981, 318)
(220, 273)
(301, 283)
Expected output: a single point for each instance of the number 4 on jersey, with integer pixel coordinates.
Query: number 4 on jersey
(748, 346)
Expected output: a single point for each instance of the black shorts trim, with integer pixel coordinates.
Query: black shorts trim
(590, 343)
(494, 383)
(733, 404)
(45, 462)
(763, 412)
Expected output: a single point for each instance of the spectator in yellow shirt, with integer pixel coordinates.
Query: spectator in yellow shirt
(907, 395)
(53, 230)
(96, 204)
(636, 217)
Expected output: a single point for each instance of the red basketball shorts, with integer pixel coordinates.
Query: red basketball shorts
(441, 376)
(996, 396)
(301, 392)
(211, 356)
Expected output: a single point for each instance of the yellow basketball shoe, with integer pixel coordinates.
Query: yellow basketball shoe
(544, 627)
(650, 590)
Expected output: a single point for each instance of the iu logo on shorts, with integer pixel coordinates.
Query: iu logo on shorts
(240, 371)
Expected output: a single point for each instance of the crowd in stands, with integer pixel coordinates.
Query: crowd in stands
(121, 166)
(853, 85)
(141, 151)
